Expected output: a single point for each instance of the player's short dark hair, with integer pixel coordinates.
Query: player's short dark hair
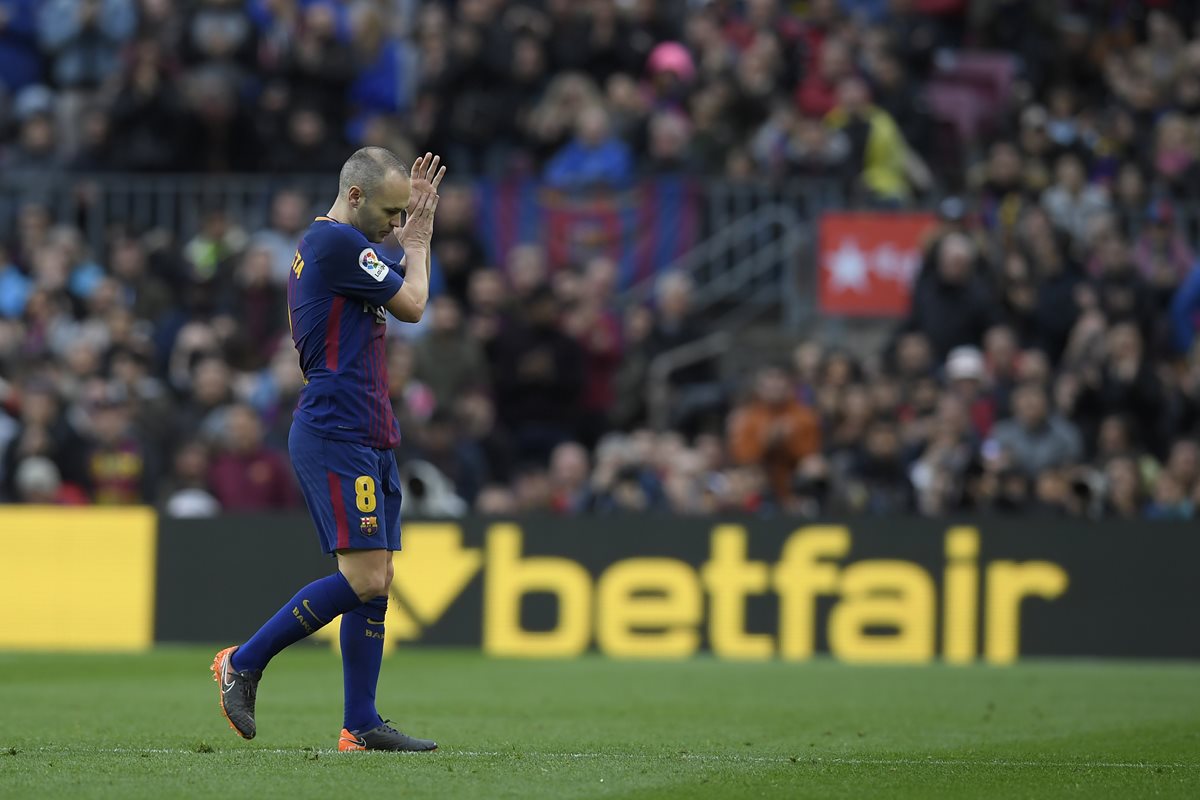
(367, 168)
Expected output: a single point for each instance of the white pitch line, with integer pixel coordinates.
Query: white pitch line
(716, 758)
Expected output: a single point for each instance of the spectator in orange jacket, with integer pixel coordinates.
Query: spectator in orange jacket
(774, 430)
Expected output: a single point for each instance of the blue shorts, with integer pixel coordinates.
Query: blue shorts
(352, 491)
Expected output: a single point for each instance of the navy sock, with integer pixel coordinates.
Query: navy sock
(362, 655)
(306, 613)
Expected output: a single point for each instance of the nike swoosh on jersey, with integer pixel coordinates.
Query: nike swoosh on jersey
(374, 621)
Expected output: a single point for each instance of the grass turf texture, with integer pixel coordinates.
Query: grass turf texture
(148, 726)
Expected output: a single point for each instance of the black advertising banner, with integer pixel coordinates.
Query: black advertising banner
(894, 590)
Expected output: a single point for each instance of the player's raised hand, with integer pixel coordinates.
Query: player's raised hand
(422, 204)
(418, 228)
(425, 177)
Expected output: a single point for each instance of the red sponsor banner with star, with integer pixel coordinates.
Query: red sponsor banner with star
(868, 261)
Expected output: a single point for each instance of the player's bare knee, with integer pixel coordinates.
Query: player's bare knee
(380, 586)
(368, 584)
(367, 571)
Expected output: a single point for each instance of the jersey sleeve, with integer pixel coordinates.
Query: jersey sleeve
(359, 271)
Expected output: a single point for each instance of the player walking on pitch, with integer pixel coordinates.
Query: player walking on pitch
(344, 430)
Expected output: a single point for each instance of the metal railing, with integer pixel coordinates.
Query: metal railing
(749, 263)
(659, 396)
(175, 203)
(743, 269)
(178, 202)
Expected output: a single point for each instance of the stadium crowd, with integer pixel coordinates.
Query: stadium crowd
(1048, 365)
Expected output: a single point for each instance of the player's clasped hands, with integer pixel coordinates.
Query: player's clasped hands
(426, 176)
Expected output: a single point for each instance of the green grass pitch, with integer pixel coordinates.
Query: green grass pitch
(148, 727)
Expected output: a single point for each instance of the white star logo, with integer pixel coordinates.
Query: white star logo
(847, 267)
(889, 262)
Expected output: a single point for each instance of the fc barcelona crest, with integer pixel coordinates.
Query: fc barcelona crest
(368, 525)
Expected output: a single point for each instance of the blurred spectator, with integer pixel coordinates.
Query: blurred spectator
(817, 94)
(1013, 492)
(773, 430)
(878, 482)
(1072, 202)
(456, 245)
(38, 482)
(257, 309)
(84, 37)
(966, 374)
(527, 272)
(218, 134)
(815, 150)
(147, 114)
(219, 32)
(121, 469)
(888, 169)
(20, 61)
(44, 431)
(1002, 189)
(598, 332)
(1185, 311)
(1175, 161)
(1125, 493)
(1035, 439)
(15, 287)
(593, 157)
(210, 390)
(569, 478)
(1126, 385)
(1161, 254)
(459, 459)
(209, 255)
(667, 148)
(629, 379)
(954, 306)
(537, 378)
(412, 400)
(317, 61)
(37, 147)
(1169, 500)
(476, 418)
(246, 475)
(676, 325)
(145, 293)
(307, 140)
(185, 491)
(448, 359)
(289, 219)
(1183, 463)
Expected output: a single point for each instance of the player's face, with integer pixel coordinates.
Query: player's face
(378, 213)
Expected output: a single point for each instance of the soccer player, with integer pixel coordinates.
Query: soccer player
(344, 430)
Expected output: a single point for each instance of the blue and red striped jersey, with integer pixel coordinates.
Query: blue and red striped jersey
(336, 291)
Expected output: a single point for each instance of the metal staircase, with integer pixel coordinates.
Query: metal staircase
(742, 272)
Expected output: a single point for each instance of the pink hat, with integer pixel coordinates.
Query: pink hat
(672, 57)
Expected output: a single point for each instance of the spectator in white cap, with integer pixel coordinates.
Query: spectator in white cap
(967, 379)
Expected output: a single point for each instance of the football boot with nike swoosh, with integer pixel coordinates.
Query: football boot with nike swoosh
(238, 691)
(384, 737)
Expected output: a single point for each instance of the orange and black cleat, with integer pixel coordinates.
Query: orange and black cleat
(385, 737)
(237, 693)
